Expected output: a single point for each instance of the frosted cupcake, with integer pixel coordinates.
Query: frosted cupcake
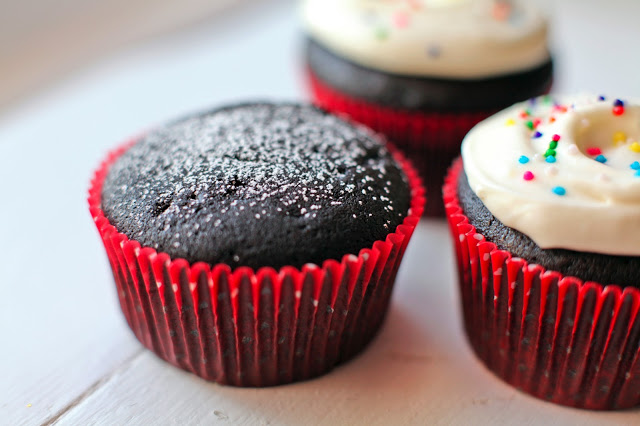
(544, 209)
(423, 72)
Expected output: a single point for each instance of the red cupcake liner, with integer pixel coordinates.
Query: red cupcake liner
(431, 139)
(254, 328)
(560, 339)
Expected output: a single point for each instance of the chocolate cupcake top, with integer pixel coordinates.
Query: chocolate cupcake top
(257, 185)
(564, 172)
(464, 39)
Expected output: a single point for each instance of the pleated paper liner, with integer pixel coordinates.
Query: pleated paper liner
(254, 328)
(552, 336)
(431, 140)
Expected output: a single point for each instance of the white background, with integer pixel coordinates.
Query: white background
(66, 354)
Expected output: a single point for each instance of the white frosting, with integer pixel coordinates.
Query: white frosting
(600, 211)
(435, 38)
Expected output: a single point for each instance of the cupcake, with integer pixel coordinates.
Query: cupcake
(424, 72)
(544, 210)
(256, 244)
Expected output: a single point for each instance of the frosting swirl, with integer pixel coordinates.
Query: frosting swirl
(437, 38)
(565, 172)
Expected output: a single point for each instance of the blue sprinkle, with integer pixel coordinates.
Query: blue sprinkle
(559, 190)
(635, 165)
(550, 159)
(638, 173)
(601, 159)
(537, 134)
(523, 159)
(618, 103)
(601, 98)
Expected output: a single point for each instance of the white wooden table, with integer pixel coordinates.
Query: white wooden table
(67, 356)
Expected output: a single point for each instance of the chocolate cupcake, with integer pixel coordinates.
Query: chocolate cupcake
(544, 208)
(256, 244)
(425, 72)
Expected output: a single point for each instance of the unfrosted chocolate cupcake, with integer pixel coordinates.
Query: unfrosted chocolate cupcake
(542, 209)
(280, 229)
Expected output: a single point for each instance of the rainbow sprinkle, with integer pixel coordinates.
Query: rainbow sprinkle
(619, 137)
(550, 154)
(559, 190)
(528, 175)
(382, 34)
(601, 159)
(401, 20)
(523, 159)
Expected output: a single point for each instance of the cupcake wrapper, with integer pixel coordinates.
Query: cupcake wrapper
(552, 336)
(249, 328)
(430, 139)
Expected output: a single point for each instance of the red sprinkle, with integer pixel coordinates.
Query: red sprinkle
(555, 138)
(536, 122)
(528, 175)
(594, 151)
(524, 114)
(618, 110)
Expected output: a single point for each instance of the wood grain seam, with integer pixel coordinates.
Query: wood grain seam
(98, 384)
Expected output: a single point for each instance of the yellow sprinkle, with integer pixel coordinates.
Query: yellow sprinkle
(28, 405)
(619, 137)
(635, 147)
(510, 122)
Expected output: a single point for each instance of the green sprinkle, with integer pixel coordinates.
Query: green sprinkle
(550, 152)
(382, 33)
(530, 124)
(553, 145)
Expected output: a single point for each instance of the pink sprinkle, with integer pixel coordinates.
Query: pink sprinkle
(528, 175)
(594, 151)
(401, 20)
(556, 138)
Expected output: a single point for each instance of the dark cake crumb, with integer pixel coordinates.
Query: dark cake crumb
(257, 185)
(423, 93)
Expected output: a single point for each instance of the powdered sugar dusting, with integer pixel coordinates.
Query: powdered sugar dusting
(252, 163)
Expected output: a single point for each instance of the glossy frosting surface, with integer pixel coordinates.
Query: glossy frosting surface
(434, 38)
(565, 172)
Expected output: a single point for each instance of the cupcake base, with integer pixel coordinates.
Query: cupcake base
(247, 328)
(554, 337)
